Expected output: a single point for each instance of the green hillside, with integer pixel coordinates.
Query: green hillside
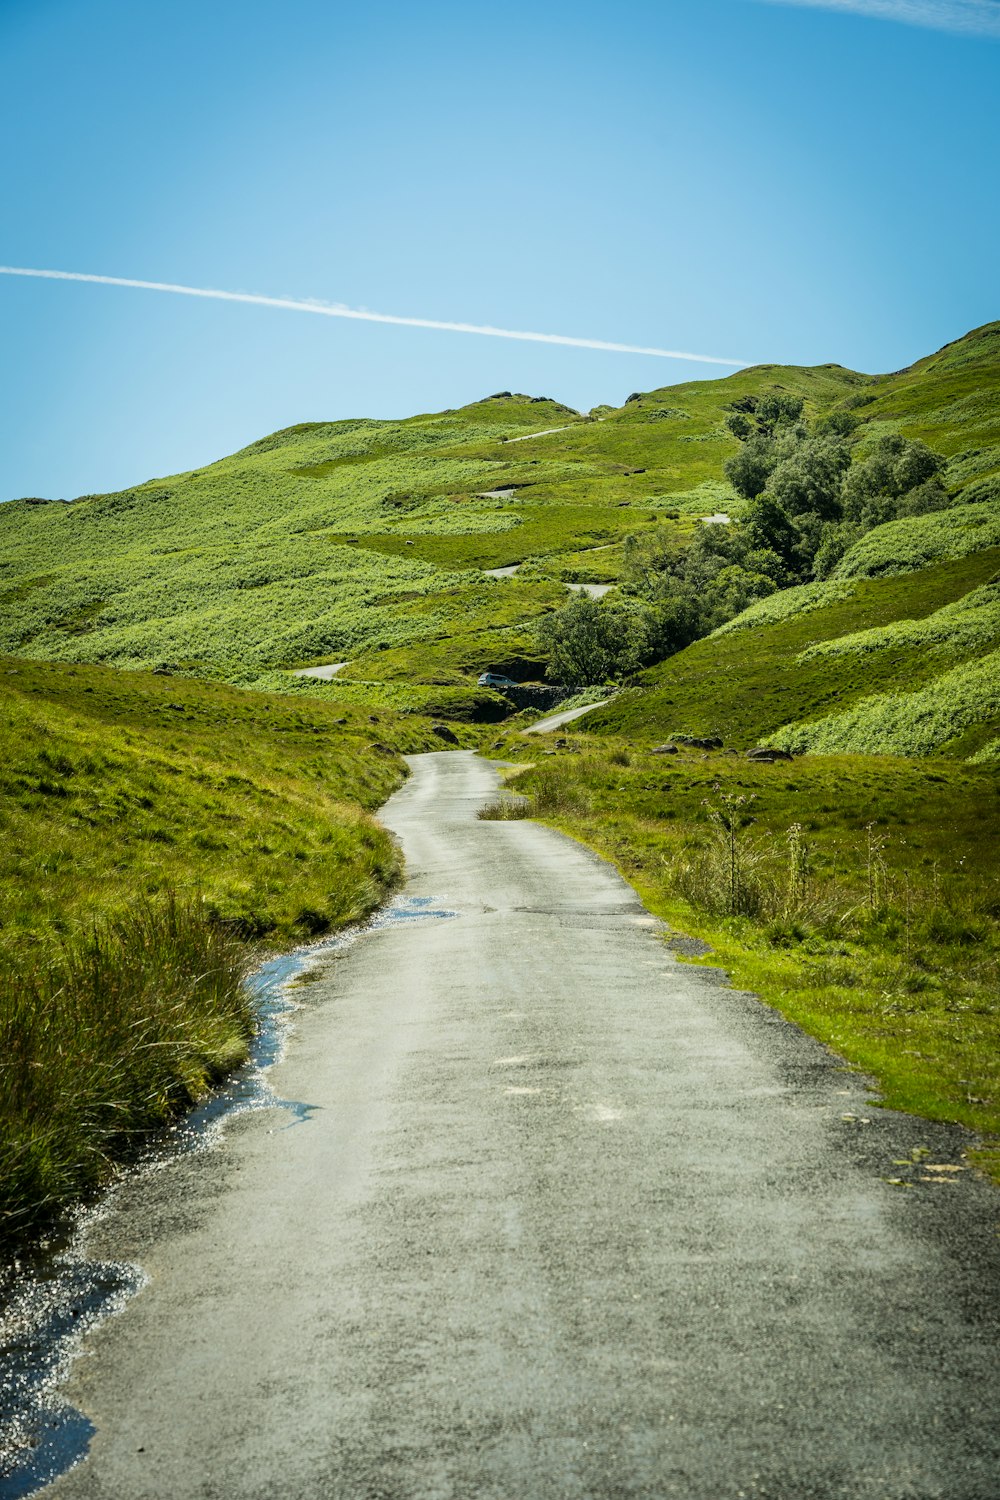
(118, 786)
(367, 541)
(158, 818)
(342, 541)
(895, 651)
(951, 400)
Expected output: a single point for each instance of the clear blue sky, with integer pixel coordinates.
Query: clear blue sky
(773, 181)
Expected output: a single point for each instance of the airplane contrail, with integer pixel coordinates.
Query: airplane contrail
(337, 310)
(966, 17)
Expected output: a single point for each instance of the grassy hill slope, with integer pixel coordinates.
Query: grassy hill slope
(121, 785)
(950, 400)
(368, 541)
(343, 540)
(895, 653)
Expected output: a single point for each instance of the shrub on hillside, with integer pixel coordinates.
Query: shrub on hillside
(590, 641)
(811, 498)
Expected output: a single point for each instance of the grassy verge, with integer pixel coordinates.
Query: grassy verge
(114, 1032)
(857, 895)
(152, 831)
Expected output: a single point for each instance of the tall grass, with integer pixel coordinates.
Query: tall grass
(503, 809)
(725, 876)
(123, 1026)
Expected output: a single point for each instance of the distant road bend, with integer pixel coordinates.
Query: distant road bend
(569, 1221)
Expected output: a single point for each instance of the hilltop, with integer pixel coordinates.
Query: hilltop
(372, 542)
(356, 540)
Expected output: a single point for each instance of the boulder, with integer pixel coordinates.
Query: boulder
(664, 750)
(444, 733)
(699, 742)
(766, 755)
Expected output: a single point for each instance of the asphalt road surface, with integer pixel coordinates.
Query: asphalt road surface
(568, 1219)
(564, 716)
(325, 674)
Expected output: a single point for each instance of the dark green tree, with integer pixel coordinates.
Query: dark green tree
(894, 468)
(810, 479)
(589, 641)
(751, 467)
(761, 416)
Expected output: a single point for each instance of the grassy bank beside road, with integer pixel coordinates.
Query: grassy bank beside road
(151, 831)
(858, 895)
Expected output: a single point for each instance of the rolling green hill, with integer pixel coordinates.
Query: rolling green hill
(368, 542)
(346, 540)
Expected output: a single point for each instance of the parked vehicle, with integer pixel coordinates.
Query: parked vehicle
(494, 680)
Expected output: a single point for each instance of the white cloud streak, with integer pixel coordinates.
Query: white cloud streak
(966, 17)
(337, 310)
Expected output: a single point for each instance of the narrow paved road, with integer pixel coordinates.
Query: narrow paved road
(592, 590)
(325, 674)
(564, 716)
(568, 1220)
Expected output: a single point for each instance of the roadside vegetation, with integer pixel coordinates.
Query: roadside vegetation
(154, 833)
(858, 895)
(118, 1028)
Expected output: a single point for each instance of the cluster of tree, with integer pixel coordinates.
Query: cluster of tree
(810, 495)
